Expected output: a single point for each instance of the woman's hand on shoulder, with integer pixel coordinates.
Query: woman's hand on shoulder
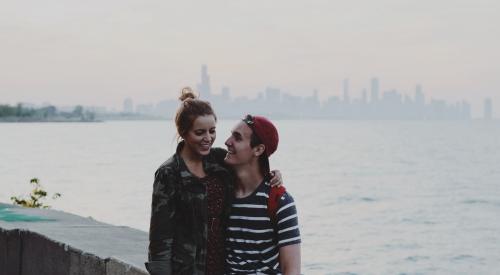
(276, 179)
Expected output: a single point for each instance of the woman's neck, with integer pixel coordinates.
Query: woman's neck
(193, 161)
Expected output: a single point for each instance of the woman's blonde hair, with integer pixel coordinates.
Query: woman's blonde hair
(190, 109)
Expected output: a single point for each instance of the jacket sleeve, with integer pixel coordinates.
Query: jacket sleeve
(219, 155)
(161, 230)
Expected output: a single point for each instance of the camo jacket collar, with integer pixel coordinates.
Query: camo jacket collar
(210, 164)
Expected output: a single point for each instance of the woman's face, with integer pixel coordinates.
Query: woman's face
(201, 136)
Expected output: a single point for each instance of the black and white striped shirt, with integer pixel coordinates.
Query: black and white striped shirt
(252, 241)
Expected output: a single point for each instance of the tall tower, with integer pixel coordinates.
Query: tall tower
(128, 106)
(204, 86)
(419, 96)
(488, 109)
(374, 90)
(346, 90)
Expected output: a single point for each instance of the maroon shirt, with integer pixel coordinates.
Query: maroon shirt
(215, 239)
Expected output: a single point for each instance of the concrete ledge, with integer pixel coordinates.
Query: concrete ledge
(116, 267)
(10, 251)
(43, 256)
(57, 243)
(82, 263)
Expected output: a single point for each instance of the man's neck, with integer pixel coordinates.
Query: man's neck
(249, 179)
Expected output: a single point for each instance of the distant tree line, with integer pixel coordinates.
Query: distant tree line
(48, 113)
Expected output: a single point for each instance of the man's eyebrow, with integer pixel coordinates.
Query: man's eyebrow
(236, 134)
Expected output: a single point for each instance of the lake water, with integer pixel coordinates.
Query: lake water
(374, 197)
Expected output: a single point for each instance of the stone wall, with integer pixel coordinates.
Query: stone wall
(23, 252)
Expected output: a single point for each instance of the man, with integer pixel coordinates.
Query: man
(257, 243)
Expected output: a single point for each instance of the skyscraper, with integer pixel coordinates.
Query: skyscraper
(346, 90)
(374, 90)
(488, 109)
(419, 96)
(204, 86)
(128, 106)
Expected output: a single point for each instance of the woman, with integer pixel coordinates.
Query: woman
(191, 197)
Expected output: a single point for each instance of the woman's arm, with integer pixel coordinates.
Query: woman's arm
(276, 178)
(219, 155)
(161, 230)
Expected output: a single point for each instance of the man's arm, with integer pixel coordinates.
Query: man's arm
(290, 259)
(288, 235)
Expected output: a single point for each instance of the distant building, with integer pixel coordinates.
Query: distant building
(166, 108)
(311, 105)
(364, 96)
(145, 109)
(225, 93)
(488, 109)
(345, 88)
(97, 109)
(204, 86)
(374, 90)
(419, 96)
(273, 102)
(466, 110)
(273, 95)
(128, 106)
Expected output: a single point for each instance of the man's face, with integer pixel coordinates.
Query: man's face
(238, 145)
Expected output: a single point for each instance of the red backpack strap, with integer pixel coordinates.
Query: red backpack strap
(273, 202)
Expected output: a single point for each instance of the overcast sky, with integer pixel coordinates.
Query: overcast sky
(99, 52)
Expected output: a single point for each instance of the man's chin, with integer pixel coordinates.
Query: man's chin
(227, 159)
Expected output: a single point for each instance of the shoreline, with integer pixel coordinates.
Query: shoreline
(30, 120)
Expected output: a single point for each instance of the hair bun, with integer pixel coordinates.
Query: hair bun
(187, 93)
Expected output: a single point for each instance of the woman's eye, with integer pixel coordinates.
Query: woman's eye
(212, 132)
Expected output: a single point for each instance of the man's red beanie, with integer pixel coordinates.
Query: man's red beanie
(267, 133)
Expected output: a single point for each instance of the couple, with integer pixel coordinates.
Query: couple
(212, 211)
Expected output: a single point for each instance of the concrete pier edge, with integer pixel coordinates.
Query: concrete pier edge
(62, 245)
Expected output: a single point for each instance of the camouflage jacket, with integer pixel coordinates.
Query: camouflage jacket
(178, 229)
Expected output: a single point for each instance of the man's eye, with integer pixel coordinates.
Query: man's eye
(212, 131)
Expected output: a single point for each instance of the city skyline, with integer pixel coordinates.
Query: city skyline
(376, 103)
(69, 53)
(373, 102)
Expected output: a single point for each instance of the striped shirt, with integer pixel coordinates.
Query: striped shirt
(252, 240)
